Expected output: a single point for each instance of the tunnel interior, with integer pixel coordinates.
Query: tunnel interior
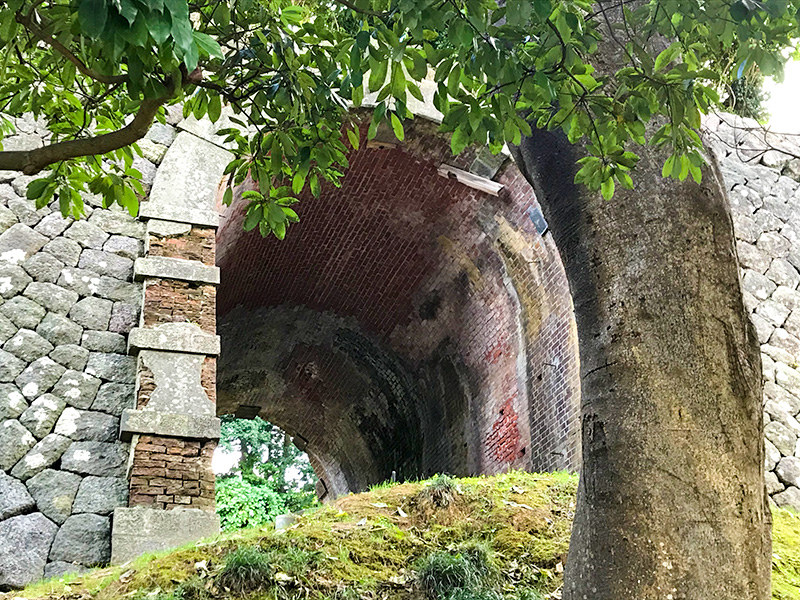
(409, 324)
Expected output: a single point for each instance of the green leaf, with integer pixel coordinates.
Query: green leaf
(397, 127)
(214, 108)
(36, 188)
(207, 44)
(377, 74)
(92, 15)
(353, 135)
(459, 140)
(667, 56)
(607, 188)
(254, 216)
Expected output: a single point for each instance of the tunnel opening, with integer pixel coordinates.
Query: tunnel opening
(415, 321)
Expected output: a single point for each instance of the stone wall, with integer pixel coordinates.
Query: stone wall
(68, 303)
(764, 194)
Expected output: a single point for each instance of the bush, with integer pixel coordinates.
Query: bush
(461, 576)
(246, 569)
(243, 504)
(440, 490)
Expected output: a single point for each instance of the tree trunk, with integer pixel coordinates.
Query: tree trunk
(671, 502)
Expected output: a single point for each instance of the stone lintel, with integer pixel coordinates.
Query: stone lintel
(471, 180)
(140, 530)
(174, 337)
(180, 425)
(175, 268)
(178, 214)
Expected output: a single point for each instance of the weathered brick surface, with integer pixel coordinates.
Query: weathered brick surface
(198, 244)
(170, 301)
(172, 473)
(399, 318)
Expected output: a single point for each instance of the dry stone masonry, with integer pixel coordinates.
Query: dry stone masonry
(105, 415)
(764, 194)
(417, 320)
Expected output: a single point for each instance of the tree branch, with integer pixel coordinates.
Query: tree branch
(40, 34)
(31, 162)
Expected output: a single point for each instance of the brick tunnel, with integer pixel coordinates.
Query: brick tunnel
(415, 321)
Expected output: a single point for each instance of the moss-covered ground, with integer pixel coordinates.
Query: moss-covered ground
(371, 546)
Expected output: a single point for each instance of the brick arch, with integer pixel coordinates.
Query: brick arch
(409, 323)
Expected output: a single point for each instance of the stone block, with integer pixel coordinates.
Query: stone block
(112, 367)
(41, 456)
(118, 222)
(54, 492)
(106, 263)
(60, 568)
(124, 317)
(43, 267)
(7, 329)
(14, 497)
(39, 377)
(141, 530)
(23, 312)
(83, 539)
(175, 268)
(12, 402)
(101, 495)
(104, 341)
(149, 422)
(53, 224)
(28, 345)
(13, 280)
(124, 246)
(92, 313)
(80, 281)
(87, 425)
(23, 553)
(185, 187)
(77, 388)
(59, 330)
(71, 356)
(113, 398)
(101, 459)
(790, 498)
(87, 234)
(175, 337)
(18, 243)
(40, 417)
(177, 380)
(66, 250)
(10, 366)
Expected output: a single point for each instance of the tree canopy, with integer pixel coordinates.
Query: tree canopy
(270, 477)
(100, 71)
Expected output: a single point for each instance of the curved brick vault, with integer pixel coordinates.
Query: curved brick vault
(408, 323)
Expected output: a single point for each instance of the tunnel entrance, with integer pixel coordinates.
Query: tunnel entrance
(415, 321)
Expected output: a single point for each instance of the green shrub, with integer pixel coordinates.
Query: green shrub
(241, 503)
(246, 569)
(440, 490)
(444, 575)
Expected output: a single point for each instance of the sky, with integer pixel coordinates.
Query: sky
(783, 105)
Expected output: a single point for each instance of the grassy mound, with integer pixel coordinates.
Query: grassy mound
(496, 538)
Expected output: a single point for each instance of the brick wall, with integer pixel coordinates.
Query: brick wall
(172, 473)
(408, 323)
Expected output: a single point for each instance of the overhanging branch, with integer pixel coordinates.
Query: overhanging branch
(31, 162)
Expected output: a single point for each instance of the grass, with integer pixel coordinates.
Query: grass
(507, 535)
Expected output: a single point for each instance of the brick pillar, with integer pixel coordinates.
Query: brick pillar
(174, 429)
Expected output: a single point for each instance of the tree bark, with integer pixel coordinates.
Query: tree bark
(671, 503)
